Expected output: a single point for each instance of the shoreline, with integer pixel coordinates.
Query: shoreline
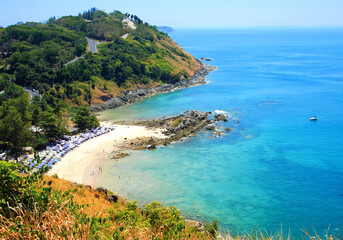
(134, 96)
(83, 164)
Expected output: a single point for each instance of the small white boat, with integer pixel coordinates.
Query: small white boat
(313, 118)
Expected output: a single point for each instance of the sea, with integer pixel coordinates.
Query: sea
(276, 171)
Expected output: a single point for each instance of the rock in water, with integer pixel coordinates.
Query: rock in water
(220, 117)
(210, 128)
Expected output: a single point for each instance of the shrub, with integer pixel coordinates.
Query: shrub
(20, 190)
(212, 228)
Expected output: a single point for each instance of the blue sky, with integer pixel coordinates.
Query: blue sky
(188, 13)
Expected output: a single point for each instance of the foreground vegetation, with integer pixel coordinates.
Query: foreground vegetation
(37, 207)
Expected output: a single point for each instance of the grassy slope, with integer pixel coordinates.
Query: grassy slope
(87, 214)
(121, 220)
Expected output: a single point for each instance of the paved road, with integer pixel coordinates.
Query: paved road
(74, 60)
(32, 93)
(92, 45)
(125, 36)
(92, 48)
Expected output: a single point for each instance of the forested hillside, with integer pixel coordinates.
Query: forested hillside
(35, 55)
(38, 56)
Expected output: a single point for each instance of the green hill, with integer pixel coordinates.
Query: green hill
(35, 55)
(53, 58)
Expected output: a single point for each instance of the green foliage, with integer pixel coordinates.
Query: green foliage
(37, 50)
(14, 126)
(72, 23)
(117, 15)
(84, 119)
(95, 24)
(212, 228)
(10, 89)
(20, 190)
(128, 64)
(168, 219)
(43, 211)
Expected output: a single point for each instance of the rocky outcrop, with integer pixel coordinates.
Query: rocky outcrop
(220, 117)
(197, 225)
(101, 190)
(210, 128)
(135, 95)
(177, 127)
(113, 198)
(190, 122)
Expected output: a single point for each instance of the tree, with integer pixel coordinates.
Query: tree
(14, 131)
(84, 119)
(52, 125)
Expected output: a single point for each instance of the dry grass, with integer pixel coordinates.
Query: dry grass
(56, 223)
(92, 205)
(189, 65)
(281, 235)
(75, 221)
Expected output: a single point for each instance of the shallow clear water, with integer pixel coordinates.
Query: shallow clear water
(276, 168)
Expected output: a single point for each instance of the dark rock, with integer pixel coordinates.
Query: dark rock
(120, 155)
(190, 121)
(220, 117)
(96, 196)
(138, 94)
(228, 129)
(113, 198)
(210, 128)
(217, 133)
(151, 147)
(105, 98)
(101, 190)
(88, 186)
(197, 225)
(49, 183)
(77, 185)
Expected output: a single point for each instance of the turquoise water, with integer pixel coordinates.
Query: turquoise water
(276, 168)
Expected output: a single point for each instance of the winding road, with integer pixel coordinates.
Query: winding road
(92, 45)
(32, 93)
(92, 48)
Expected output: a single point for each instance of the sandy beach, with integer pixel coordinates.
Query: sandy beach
(83, 164)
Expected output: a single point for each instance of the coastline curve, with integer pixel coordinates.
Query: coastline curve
(135, 95)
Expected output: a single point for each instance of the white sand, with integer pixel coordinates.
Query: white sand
(82, 165)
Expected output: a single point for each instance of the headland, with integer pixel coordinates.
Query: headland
(134, 96)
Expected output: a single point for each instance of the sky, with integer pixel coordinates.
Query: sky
(187, 13)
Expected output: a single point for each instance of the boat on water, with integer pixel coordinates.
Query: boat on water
(314, 118)
(206, 59)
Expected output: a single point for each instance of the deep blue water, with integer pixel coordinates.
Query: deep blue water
(276, 168)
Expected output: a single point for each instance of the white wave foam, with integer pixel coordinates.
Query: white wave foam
(221, 112)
